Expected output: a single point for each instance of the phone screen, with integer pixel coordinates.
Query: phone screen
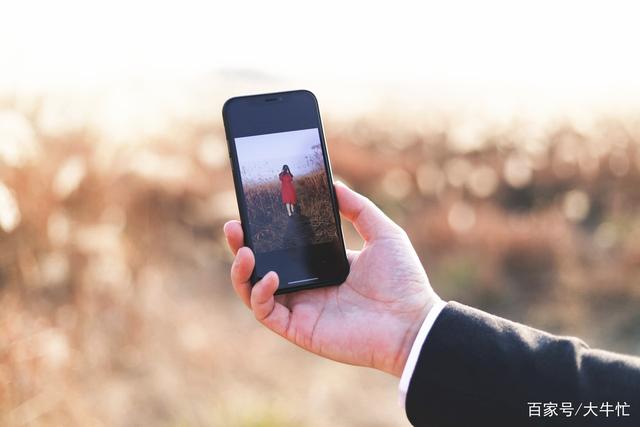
(285, 195)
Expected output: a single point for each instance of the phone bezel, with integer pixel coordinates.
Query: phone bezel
(341, 271)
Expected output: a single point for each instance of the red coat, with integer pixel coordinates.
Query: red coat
(287, 189)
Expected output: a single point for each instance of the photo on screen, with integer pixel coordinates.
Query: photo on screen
(286, 190)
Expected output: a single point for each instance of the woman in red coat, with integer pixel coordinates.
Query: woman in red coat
(287, 189)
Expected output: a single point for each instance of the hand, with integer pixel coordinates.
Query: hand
(372, 319)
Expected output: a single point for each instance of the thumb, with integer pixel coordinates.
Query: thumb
(370, 222)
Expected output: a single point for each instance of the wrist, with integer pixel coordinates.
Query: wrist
(409, 337)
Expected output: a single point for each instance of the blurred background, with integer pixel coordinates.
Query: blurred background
(504, 136)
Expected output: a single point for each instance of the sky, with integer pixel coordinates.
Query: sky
(261, 157)
(495, 56)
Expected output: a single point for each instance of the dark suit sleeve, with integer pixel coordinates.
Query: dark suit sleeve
(476, 369)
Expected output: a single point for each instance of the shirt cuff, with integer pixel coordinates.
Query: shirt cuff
(410, 366)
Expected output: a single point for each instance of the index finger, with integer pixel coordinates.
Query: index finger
(233, 233)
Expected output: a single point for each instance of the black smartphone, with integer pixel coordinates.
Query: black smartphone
(284, 187)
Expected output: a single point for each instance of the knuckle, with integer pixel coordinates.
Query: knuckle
(259, 314)
(235, 269)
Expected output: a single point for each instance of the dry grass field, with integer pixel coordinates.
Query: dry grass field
(268, 215)
(115, 302)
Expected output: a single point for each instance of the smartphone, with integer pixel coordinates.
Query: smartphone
(284, 188)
